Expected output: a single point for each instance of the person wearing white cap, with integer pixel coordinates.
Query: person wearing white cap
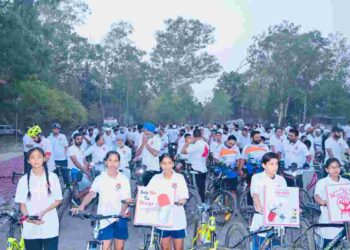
(318, 140)
(109, 137)
(125, 156)
(309, 136)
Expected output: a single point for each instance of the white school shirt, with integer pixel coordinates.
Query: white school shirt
(75, 151)
(258, 184)
(109, 140)
(148, 159)
(125, 156)
(295, 153)
(111, 192)
(197, 155)
(337, 146)
(58, 143)
(176, 184)
(45, 145)
(39, 201)
(320, 190)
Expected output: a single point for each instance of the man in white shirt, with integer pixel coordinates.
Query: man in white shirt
(59, 145)
(109, 138)
(90, 137)
(198, 151)
(216, 145)
(309, 136)
(276, 141)
(335, 145)
(165, 142)
(98, 151)
(78, 165)
(245, 138)
(318, 140)
(347, 132)
(172, 134)
(148, 151)
(125, 156)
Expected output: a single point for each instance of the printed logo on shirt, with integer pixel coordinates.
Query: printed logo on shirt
(118, 186)
(206, 152)
(174, 186)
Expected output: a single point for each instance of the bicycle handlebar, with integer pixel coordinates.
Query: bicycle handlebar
(97, 217)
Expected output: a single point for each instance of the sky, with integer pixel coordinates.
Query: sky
(236, 22)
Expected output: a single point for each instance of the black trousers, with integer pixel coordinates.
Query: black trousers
(42, 244)
(200, 182)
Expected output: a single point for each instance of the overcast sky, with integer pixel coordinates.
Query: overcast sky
(236, 22)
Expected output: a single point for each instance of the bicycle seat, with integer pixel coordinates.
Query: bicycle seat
(312, 208)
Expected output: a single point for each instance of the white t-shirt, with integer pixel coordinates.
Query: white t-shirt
(172, 134)
(77, 152)
(318, 143)
(197, 155)
(39, 201)
(98, 153)
(164, 140)
(148, 159)
(125, 156)
(254, 153)
(91, 138)
(109, 140)
(137, 139)
(59, 143)
(295, 153)
(27, 140)
(229, 155)
(320, 190)
(258, 184)
(176, 184)
(244, 141)
(111, 192)
(45, 145)
(347, 131)
(215, 149)
(277, 143)
(337, 146)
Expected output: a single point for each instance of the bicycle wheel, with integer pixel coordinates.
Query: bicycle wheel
(191, 205)
(224, 199)
(94, 245)
(235, 233)
(195, 240)
(65, 203)
(246, 208)
(306, 241)
(304, 198)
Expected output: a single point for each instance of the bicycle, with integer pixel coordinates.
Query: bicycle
(15, 220)
(204, 234)
(308, 239)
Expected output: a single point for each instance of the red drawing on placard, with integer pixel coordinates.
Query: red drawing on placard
(343, 200)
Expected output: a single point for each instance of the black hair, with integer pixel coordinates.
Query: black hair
(294, 131)
(330, 161)
(307, 143)
(232, 137)
(253, 133)
(268, 157)
(187, 135)
(76, 135)
(41, 151)
(112, 152)
(98, 137)
(166, 155)
(218, 133)
(197, 133)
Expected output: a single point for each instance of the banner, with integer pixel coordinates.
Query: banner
(338, 202)
(154, 207)
(281, 207)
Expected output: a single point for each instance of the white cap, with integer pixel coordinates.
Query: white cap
(307, 127)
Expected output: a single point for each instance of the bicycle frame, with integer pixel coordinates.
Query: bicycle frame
(206, 232)
(12, 242)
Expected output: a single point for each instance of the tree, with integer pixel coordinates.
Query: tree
(219, 108)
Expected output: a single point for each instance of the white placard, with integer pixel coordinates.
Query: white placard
(154, 207)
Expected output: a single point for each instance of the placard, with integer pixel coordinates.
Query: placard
(154, 207)
(338, 202)
(281, 206)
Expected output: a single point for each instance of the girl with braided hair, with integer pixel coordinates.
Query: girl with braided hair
(39, 194)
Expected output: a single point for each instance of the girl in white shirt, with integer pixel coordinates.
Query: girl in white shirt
(113, 187)
(170, 180)
(39, 193)
(332, 167)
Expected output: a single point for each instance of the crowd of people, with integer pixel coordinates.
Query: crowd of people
(110, 150)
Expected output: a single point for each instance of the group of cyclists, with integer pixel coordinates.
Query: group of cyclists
(111, 149)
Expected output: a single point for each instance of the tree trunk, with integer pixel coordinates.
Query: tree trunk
(280, 113)
(286, 107)
(305, 107)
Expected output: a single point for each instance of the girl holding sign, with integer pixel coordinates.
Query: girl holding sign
(332, 167)
(174, 182)
(112, 187)
(269, 179)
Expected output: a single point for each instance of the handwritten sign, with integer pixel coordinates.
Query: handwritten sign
(154, 207)
(281, 207)
(338, 202)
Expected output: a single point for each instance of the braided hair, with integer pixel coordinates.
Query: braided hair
(45, 168)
